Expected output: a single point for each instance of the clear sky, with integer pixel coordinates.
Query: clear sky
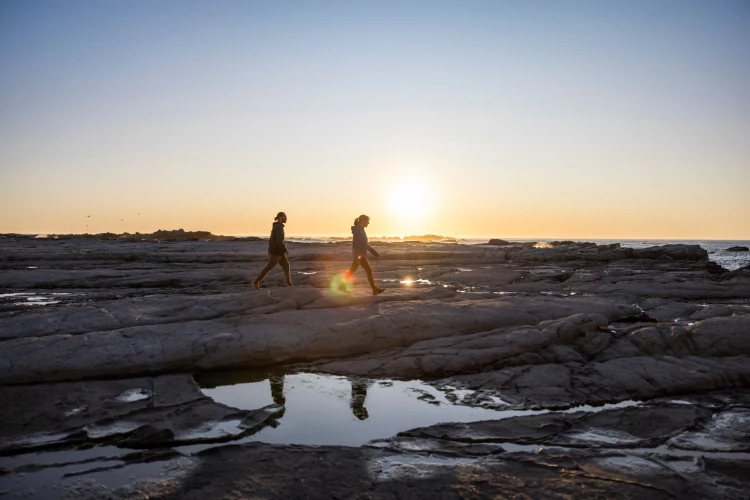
(598, 119)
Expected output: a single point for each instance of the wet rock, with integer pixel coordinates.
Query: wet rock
(638, 426)
(738, 249)
(274, 471)
(144, 412)
(726, 431)
(523, 430)
(509, 327)
(630, 427)
(265, 340)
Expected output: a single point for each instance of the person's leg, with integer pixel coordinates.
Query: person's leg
(272, 260)
(287, 270)
(343, 286)
(366, 266)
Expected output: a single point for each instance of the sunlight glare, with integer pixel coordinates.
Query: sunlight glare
(408, 200)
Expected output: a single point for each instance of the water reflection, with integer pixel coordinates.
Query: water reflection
(327, 409)
(359, 394)
(277, 389)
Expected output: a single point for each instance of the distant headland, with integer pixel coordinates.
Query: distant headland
(182, 235)
(160, 235)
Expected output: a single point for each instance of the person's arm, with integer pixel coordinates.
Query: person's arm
(282, 242)
(278, 238)
(373, 251)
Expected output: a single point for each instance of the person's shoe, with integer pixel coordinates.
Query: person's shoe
(342, 288)
(290, 284)
(377, 291)
(256, 285)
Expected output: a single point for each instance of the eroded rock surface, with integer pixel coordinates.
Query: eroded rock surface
(505, 325)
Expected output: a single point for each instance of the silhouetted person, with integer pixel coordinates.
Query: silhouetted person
(277, 252)
(277, 389)
(359, 394)
(360, 247)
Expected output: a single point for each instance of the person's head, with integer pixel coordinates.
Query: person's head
(281, 217)
(362, 221)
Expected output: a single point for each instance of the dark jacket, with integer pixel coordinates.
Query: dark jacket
(276, 245)
(359, 243)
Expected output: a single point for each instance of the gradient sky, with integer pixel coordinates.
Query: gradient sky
(579, 119)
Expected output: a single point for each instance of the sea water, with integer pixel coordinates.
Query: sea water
(717, 249)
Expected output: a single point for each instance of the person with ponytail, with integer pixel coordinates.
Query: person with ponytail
(277, 252)
(360, 247)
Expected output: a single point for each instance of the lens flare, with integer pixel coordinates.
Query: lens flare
(341, 283)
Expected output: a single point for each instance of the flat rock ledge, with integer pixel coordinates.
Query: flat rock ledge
(99, 341)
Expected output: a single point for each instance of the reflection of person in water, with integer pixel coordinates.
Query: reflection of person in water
(277, 389)
(359, 394)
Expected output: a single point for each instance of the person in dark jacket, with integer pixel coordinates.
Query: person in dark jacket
(277, 252)
(360, 247)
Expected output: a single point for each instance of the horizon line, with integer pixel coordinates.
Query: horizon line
(322, 236)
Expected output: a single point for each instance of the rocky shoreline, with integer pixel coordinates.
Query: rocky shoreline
(101, 339)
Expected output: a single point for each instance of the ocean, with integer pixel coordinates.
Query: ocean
(717, 249)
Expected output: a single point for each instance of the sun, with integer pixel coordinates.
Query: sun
(409, 200)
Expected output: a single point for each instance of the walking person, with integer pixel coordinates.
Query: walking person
(360, 247)
(277, 252)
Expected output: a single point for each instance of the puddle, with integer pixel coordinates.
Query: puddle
(389, 462)
(40, 483)
(99, 431)
(131, 472)
(75, 477)
(41, 439)
(334, 410)
(327, 410)
(598, 438)
(62, 457)
(416, 281)
(470, 289)
(132, 395)
(683, 321)
(725, 431)
(213, 430)
(33, 298)
(631, 463)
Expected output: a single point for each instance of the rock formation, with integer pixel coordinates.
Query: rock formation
(101, 338)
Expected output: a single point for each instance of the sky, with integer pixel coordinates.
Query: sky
(529, 118)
